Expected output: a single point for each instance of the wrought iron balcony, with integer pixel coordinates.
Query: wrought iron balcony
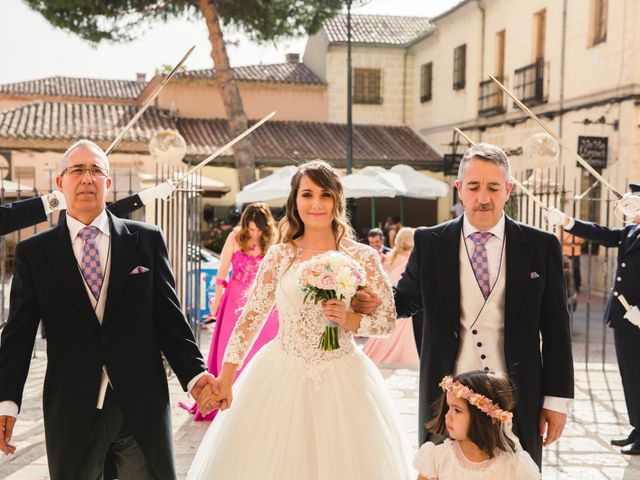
(492, 100)
(530, 83)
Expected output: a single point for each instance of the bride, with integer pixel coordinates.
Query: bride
(302, 412)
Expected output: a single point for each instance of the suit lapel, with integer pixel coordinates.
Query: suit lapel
(67, 272)
(123, 250)
(448, 267)
(518, 264)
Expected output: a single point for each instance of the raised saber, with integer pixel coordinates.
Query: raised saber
(513, 179)
(578, 158)
(223, 149)
(146, 104)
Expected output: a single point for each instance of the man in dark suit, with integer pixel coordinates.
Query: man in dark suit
(31, 211)
(625, 324)
(104, 290)
(489, 287)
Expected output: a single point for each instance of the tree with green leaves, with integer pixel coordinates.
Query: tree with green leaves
(119, 20)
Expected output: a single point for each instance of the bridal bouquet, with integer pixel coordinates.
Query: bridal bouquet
(327, 276)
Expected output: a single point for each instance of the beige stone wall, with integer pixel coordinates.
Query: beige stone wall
(393, 63)
(447, 107)
(201, 99)
(315, 54)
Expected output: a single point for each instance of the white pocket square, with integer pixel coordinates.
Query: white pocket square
(138, 269)
(534, 275)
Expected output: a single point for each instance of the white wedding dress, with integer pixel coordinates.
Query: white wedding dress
(300, 412)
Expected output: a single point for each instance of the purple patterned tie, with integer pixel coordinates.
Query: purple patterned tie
(91, 270)
(479, 261)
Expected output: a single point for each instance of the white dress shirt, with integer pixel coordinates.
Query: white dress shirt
(494, 253)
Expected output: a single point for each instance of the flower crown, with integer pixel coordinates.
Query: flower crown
(479, 401)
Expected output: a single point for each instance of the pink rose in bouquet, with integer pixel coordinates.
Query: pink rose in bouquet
(327, 276)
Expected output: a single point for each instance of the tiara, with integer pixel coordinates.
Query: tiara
(479, 401)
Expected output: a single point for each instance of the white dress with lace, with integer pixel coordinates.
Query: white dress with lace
(446, 461)
(300, 412)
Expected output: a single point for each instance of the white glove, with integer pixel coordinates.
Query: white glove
(633, 315)
(555, 216)
(629, 205)
(161, 192)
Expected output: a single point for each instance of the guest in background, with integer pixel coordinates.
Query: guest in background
(400, 348)
(243, 251)
(375, 238)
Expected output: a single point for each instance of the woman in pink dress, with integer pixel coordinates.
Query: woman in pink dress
(400, 348)
(243, 250)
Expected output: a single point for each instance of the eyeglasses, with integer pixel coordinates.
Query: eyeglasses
(77, 172)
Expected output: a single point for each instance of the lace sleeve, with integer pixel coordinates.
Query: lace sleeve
(382, 322)
(257, 309)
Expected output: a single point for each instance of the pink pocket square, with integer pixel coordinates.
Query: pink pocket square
(534, 275)
(139, 269)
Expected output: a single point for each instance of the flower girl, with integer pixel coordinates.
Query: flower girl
(474, 411)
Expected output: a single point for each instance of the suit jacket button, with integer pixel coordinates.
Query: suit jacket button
(104, 340)
(623, 264)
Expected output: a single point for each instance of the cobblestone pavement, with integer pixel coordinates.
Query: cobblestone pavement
(583, 453)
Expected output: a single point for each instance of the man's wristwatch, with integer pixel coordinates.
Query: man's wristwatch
(53, 201)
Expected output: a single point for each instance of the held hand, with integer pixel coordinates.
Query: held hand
(226, 393)
(555, 217)
(335, 310)
(205, 393)
(365, 301)
(6, 432)
(633, 315)
(553, 424)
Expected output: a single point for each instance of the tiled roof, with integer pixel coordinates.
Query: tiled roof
(273, 143)
(97, 122)
(76, 87)
(279, 72)
(290, 141)
(378, 29)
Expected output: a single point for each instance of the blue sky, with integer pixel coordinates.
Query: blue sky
(31, 48)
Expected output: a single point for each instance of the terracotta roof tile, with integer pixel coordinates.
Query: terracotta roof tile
(76, 87)
(288, 141)
(274, 143)
(98, 122)
(378, 29)
(280, 72)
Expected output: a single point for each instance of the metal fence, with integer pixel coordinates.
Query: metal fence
(585, 200)
(179, 219)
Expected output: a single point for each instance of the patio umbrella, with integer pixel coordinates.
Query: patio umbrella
(358, 185)
(389, 178)
(419, 185)
(272, 187)
(370, 184)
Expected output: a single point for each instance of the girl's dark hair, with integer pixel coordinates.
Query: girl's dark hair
(327, 178)
(259, 214)
(484, 431)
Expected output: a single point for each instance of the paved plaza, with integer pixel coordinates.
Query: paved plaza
(583, 453)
